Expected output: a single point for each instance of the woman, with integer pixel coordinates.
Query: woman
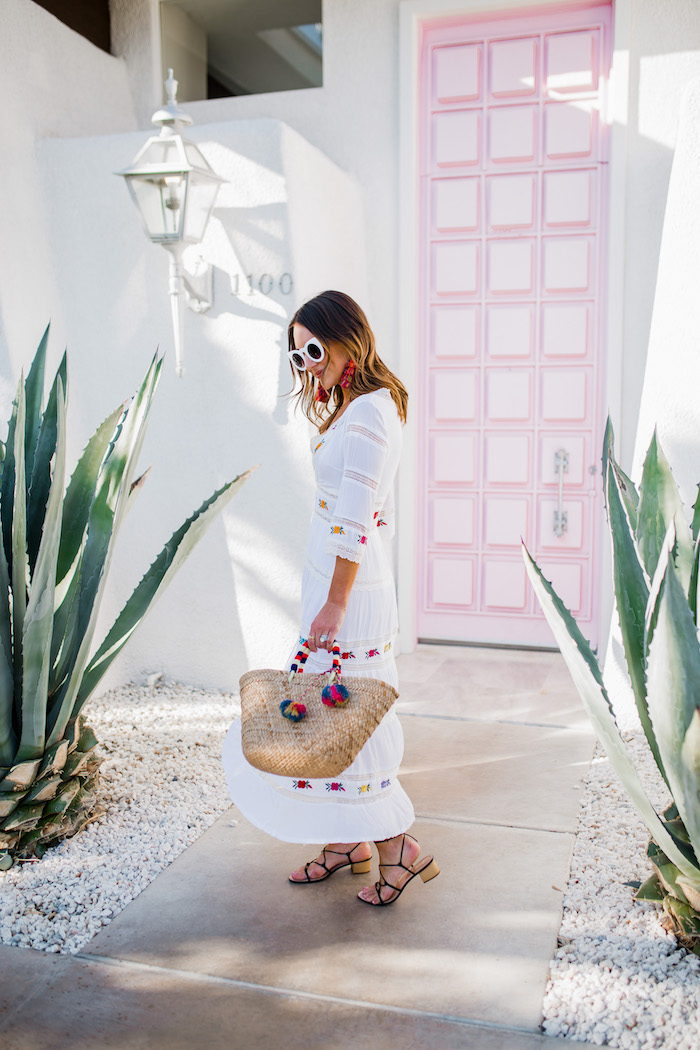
(347, 595)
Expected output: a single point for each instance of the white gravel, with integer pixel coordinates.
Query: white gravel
(161, 785)
(618, 978)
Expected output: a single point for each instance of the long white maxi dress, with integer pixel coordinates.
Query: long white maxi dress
(355, 463)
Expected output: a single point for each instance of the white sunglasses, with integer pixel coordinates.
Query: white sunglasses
(311, 353)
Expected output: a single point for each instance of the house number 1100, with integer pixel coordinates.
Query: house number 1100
(265, 284)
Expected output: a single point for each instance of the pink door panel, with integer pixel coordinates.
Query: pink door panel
(513, 209)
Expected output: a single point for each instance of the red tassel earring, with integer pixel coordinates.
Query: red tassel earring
(321, 395)
(348, 373)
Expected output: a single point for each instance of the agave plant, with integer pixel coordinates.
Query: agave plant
(656, 560)
(56, 544)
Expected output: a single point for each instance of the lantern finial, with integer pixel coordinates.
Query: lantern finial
(170, 114)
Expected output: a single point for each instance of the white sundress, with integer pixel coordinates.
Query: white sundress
(355, 462)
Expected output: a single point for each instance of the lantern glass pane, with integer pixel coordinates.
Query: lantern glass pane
(201, 199)
(162, 152)
(194, 156)
(161, 200)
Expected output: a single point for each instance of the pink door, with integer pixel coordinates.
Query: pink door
(513, 196)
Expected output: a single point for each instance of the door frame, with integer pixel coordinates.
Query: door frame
(411, 14)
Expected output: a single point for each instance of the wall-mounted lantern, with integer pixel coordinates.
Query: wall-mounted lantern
(174, 189)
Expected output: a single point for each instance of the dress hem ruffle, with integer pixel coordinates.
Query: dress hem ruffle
(284, 818)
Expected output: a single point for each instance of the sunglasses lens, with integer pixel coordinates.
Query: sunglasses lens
(298, 361)
(315, 351)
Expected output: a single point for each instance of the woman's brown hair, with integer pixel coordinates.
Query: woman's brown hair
(335, 318)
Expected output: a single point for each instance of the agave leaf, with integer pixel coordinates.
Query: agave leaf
(628, 494)
(695, 527)
(81, 490)
(40, 484)
(8, 739)
(625, 486)
(136, 487)
(34, 396)
(7, 487)
(631, 596)
(106, 514)
(154, 583)
(76, 510)
(38, 621)
(650, 890)
(659, 505)
(588, 679)
(19, 544)
(690, 779)
(694, 581)
(673, 686)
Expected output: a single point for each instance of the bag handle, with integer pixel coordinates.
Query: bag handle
(303, 655)
(332, 695)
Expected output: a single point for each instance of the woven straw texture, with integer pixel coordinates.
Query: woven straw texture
(326, 741)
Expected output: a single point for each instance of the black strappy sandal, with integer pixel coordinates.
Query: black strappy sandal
(425, 867)
(359, 867)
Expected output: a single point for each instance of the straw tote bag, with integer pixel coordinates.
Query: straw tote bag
(326, 738)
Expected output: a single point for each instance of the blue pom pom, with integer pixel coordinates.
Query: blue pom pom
(293, 710)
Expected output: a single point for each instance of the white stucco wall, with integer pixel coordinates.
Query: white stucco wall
(669, 399)
(664, 57)
(284, 210)
(52, 83)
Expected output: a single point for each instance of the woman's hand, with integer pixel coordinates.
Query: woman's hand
(326, 626)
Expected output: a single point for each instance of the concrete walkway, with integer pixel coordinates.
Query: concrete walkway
(220, 951)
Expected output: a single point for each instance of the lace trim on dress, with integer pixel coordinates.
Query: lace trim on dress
(363, 479)
(357, 428)
(342, 550)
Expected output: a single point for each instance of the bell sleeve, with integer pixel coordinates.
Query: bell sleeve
(366, 447)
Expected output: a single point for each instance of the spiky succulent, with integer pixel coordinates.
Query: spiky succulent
(656, 560)
(56, 544)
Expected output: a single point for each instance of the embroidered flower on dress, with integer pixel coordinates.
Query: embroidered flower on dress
(361, 539)
(364, 789)
(322, 504)
(371, 653)
(301, 784)
(337, 530)
(386, 784)
(387, 647)
(335, 786)
(347, 656)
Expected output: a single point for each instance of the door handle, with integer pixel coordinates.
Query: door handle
(561, 467)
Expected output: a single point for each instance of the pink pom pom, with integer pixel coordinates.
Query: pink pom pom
(334, 695)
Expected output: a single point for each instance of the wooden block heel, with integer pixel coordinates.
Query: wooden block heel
(429, 871)
(361, 867)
